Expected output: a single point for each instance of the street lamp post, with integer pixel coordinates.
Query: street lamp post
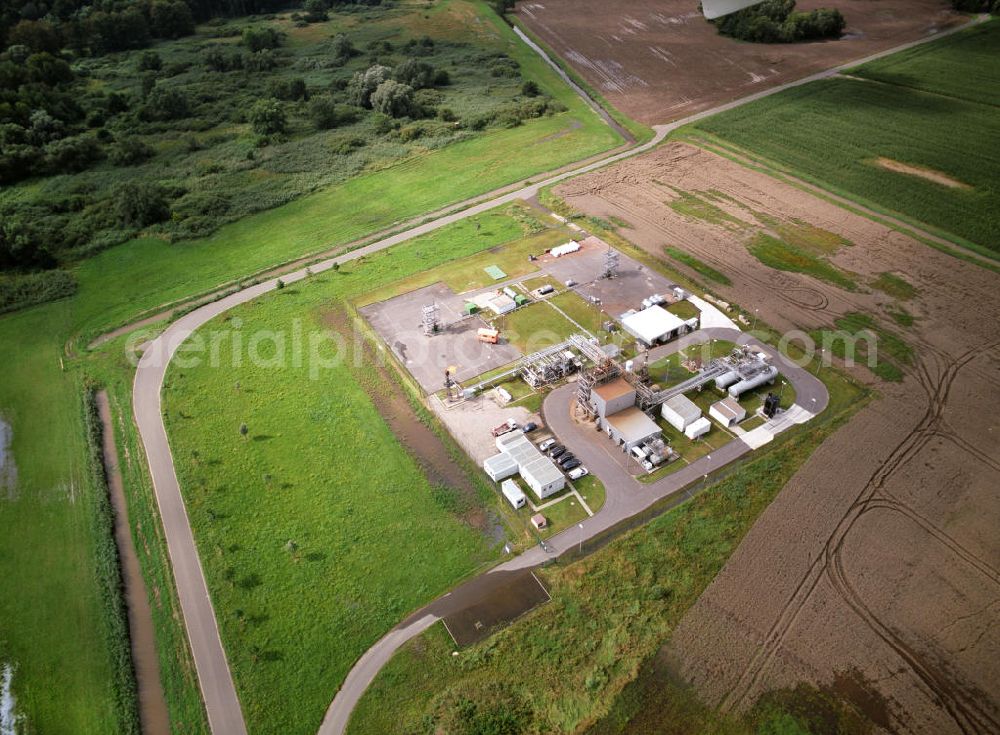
(580, 526)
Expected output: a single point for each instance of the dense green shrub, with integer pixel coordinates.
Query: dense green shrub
(149, 61)
(327, 114)
(258, 39)
(289, 90)
(393, 99)
(129, 152)
(164, 103)
(342, 49)
(419, 74)
(775, 21)
(315, 11)
(267, 117)
(142, 204)
(170, 19)
(363, 85)
(109, 574)
(18, 291)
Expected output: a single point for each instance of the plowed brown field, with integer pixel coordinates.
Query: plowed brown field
(879, 563)
(660, 61)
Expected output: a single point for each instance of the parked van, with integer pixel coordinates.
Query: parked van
(491, 336)
(577, 472)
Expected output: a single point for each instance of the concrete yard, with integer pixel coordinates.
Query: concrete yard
(398, 322)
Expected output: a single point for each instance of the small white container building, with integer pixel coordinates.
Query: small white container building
(538, 471)
(500, 467)
(698, 428)
(680, 412)
(727, 412)
(513, 494)
(543, 477)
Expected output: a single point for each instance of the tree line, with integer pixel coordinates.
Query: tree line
(777, 21)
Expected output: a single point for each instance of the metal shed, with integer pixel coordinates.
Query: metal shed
(680, 411)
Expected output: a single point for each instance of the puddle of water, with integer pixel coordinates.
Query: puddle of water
(8, 470)
(8, 703)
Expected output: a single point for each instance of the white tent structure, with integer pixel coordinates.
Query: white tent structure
(717, 8)
(653, 325)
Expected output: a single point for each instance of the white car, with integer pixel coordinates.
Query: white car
(577, 472)
(544, 445)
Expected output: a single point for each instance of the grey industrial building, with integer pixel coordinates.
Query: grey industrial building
(630, 428)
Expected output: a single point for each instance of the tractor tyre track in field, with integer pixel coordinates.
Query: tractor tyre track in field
(961, 706)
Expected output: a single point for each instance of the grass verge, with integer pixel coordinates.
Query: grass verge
(560, 668)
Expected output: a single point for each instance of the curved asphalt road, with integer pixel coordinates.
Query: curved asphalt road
(625, 497)
(221, 703)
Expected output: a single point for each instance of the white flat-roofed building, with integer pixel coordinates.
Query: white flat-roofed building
(537, 470)
(542, 476)
(630, 427)
(500, 466)
(500, 303)
(654, 325)
(513, 494)
(698, 428)
(680, 412)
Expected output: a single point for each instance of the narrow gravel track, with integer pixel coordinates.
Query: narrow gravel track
(221, 702)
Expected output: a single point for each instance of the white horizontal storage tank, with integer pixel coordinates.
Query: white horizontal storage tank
(726, 379)
(743, 386)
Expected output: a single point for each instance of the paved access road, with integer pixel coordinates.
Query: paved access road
(625, 497)
(221, 703)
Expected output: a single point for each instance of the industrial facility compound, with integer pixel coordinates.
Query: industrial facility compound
(637, 378)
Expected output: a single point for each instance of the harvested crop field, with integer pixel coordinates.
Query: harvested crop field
(879, 562)
(661, 61)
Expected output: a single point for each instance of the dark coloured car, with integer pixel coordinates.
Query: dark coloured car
(565, 458)
(529, 427)
(557, 450)
(571, 465)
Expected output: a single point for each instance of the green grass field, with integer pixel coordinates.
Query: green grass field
(565, 663)
(51, 628)
(582, 312)
(311, 548)
(923, 111)
(784, 256)
(534, 327)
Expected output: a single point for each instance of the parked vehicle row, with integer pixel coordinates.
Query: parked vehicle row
(564, 459)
